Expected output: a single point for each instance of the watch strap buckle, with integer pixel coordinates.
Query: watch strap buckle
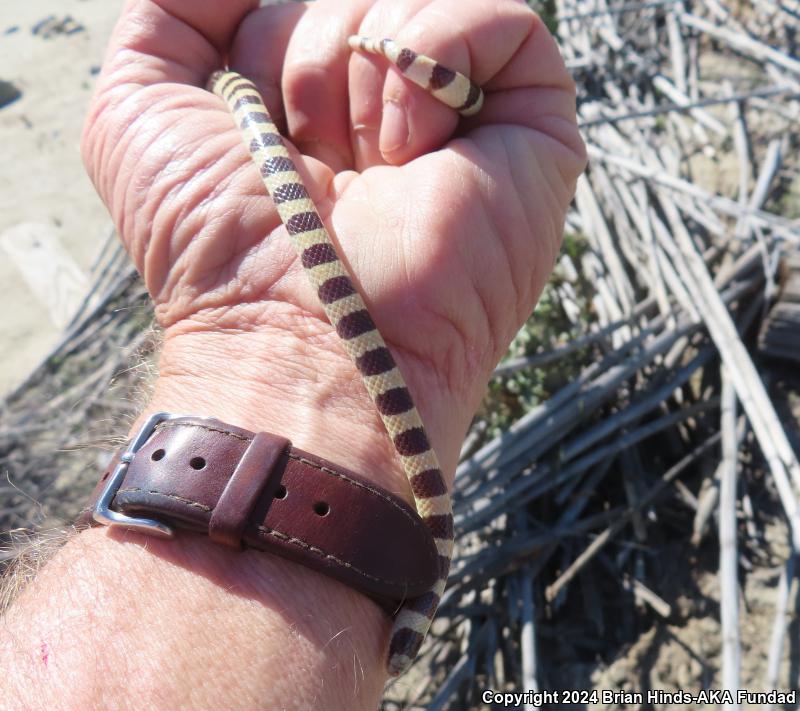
(104, 514)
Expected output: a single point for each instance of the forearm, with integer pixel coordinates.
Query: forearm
(117, 620)
(188, 623)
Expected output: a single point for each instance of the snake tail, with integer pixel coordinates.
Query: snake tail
(450, 87)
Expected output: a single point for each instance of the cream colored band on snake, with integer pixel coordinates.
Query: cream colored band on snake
(348, 314)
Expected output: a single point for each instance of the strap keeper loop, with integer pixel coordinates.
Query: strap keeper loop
(256, 473)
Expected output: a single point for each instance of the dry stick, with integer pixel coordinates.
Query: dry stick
(619, 10)
(677, 51)
(609, 196)
(779, 625)
(742, 42)
(513, 554)
(770, 166)
(776, 74)
(579, 503)
(586, 202)
(490, 658)
(750, 389)
(89, 326)
(663, 153)
(707, 502)
(108, 251)
(110, 255)
(528, 637)
(721, 12)
(476, 432)
(694, 68)
(463, 669)
(604, 207)
(604, 303)
(529, 667)
(607, 31)
(526, 432)
(780, 226)
(67, 397)
(479, 506)
(709, 497)
(705, 217)
(742, 146)
(671, 277)
(685, 494)
(575, 344)
(576, 41)
(631, 223)
(641, 209)
(622, 154)
(601, 297)
(756, 95)
(532, 434)
(614, 92)
(779, 109)
(632, 472)
(738, 270)
(728, 555)
(644, 594)
(572, 465)
(570, 303)
(749, 515)
(602, 539)
(681, 99)
(633, 412)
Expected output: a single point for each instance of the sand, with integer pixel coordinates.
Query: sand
(52, 223)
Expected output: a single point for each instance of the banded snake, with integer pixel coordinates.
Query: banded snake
(348, 314)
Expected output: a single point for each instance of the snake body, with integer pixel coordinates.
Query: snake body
(349, 316)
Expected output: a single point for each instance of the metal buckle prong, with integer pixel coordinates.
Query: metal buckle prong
(103, 513)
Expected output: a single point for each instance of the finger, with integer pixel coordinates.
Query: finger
(169, 40)
(548, 111)
(258, 52)
(314, 80)
(154, 45)
(534, 89)
(476, 39)
(535, 62)
(367, 76)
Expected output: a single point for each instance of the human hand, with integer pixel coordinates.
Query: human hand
(450, 237)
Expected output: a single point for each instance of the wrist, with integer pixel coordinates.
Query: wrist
(264, 380)
(309, 628)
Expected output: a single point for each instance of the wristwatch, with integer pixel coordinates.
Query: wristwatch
(255, 490)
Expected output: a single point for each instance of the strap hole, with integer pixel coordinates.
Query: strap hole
(158, 454)
(280, 492)
(321, 508)
(197, 463)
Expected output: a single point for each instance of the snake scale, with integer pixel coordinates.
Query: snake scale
(348, 314)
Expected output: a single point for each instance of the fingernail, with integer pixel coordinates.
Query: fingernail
(394, 128)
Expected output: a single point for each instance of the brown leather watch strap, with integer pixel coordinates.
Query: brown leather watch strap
(258, 491)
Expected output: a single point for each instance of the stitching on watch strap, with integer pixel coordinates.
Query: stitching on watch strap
(318, 551)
